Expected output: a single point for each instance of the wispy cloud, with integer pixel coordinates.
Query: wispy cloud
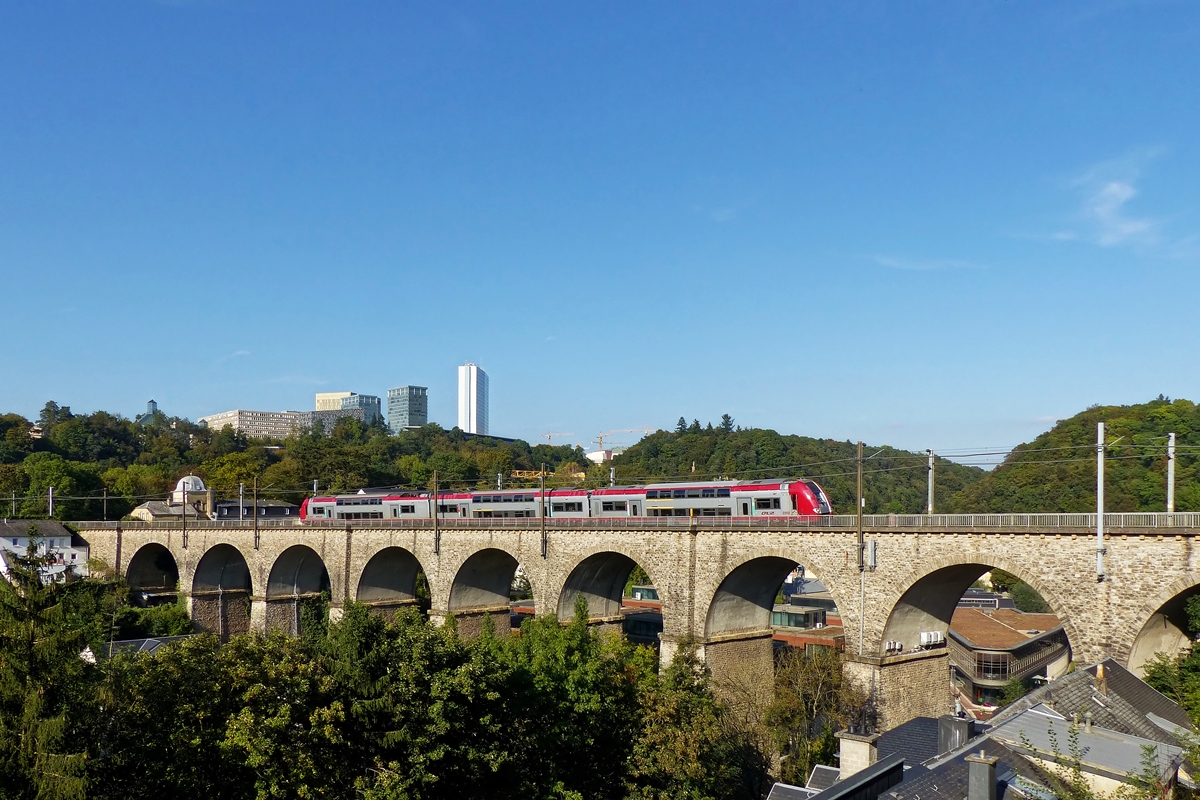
(1105, 216)
(229, 356)
(925, 264)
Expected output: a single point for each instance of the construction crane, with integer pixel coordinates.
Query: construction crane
(550, 436)
(600, 437)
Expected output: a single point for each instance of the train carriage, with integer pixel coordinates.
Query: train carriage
(698, 499)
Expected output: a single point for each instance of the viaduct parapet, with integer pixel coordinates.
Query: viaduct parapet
(717, 579)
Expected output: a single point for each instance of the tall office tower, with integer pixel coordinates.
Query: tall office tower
(472, 399)
(371, 406)
(331, 401)
(408, 407)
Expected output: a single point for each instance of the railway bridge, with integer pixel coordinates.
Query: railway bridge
(717, 578)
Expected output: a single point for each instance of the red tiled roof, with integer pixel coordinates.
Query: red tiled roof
(999, 627)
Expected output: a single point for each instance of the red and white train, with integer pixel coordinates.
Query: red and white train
(792, 497)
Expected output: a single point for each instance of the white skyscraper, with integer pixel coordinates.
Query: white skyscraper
(472, 399)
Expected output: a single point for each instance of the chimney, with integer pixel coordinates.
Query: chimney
(858, 751)
(954, 732)
(1101, 681)
(981, 777)
(1087, 721)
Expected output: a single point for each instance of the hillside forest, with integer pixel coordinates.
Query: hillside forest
(102, 465)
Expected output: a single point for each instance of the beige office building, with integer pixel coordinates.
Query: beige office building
(257, 424)
(331, 401)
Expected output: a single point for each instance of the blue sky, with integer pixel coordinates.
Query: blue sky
(925, 224)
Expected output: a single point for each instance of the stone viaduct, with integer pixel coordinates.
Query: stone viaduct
(717, 578)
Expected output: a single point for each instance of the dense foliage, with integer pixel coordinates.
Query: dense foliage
(361, 708)
(895, 481)
(1056, 472)
(85, 455)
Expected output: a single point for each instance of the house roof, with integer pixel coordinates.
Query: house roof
(1100, 751)
(249, 503)
(1123, 704)
(948, 779)
(822, 777)
(20, 527)
(160, 508)
(916, 740)
(999, 628)
(786, 791)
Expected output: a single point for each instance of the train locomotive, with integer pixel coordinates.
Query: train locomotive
(790, 497)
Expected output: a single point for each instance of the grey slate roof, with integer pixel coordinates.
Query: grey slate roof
(786, 791)
(822, 777)
(20, 527)
(916, 740)
(1100, 751)
(948, 780)
(1124, 707)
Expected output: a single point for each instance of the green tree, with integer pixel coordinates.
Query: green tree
(40, 645)
(686, 747)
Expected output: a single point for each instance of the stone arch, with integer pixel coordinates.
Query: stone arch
(153, 575)
(599, 579)
(389, 580)
(927, 601)
(298, 577)
(221, 590)
(1164, 629)
(481, 589)
(744, 598)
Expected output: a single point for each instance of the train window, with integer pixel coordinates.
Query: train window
(408, 509)
(766, 502)
(693, 492)
(723, 491)
(567, 507)
(680, 493)
(651, 494)
(709, 493)
(618, 505)
(447, 508)
(724, 512)
(476, 498)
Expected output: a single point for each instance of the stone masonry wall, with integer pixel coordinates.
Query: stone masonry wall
(690, 566)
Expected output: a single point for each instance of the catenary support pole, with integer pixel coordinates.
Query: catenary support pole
(1170, 473)
(183, 512)
(104, 513)
(51, 506)
(1099, 501)
(437, 534)
(862, 566)
(542, 479)
(256, 512)
(929, 504)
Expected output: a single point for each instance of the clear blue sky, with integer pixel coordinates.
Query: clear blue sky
(924, 224)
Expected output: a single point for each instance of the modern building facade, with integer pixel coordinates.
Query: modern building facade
(371, 406)
(472, 399)
(257, 424)
(331, 401)
(327, 419)
(407, 407)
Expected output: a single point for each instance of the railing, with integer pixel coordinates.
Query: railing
(873, 523)
(1002, 666)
